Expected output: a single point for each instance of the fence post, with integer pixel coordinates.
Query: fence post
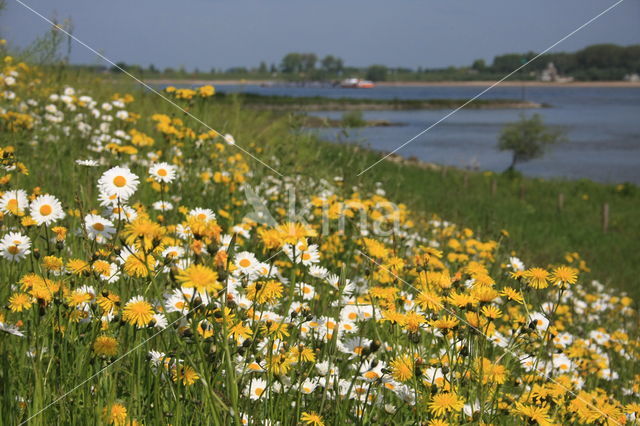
(522, 192)
(494, 187)
(561, 201)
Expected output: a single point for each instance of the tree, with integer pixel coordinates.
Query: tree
(331, 64)
(479, 65)
(377, 73)
(527, 139)
(291, 63)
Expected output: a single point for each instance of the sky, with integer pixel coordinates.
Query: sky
(411, 33)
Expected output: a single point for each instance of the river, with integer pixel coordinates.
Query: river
(602, 125)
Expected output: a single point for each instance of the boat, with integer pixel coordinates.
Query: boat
(356, 83)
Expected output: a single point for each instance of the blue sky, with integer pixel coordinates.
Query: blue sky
(412, 33)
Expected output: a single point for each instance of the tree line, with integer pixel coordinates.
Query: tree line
(595, 62)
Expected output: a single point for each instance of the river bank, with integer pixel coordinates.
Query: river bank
(320, 103)
(510, 83)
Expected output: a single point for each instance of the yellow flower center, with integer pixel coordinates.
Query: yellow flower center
(119, 181)
(259, 391)
(245, 263)
(45, 210)
(98, 226)
(162, 172)
(12, 205)
(14, 250)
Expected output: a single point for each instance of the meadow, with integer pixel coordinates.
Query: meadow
(157, 271)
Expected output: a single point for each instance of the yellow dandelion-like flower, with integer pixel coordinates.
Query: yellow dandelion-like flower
(19, 302)
(105, 345)
(116, 414)
(564, 275)
(138, 312)
(77, 266)
(512, 294)
(539, 414)
(139, 265)
(311, 419)
(445, 402)
(402, 368)
(185, 374)
(428, 300)
(491, 312)
(200, 277)
(537, 277)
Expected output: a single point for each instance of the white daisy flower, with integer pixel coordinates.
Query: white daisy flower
(118, 181)
(14, 202)
(256, 388)
(163, 172)
(246, 262)
(98, 228)
(162, 206)
(173, 252)
(46, 209)
(15, 246)
(318, 271)
(203, 214)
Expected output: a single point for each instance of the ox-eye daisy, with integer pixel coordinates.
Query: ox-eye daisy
(246, 262)
(163, 172)
(46, 209)
(203, 214)
(98, 228)
(119, 182)
(14, 202)
(15, 246)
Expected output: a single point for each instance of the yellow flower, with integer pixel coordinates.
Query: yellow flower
(402, 368)
(534, 413)
(139, 265)
(105, 345)
(200, 277)
(77, 266)
(187, 375)
(429, 301)
(537, 277)
(445, 402)
(491, 312)
(311, 419)
(302, 353)
(264, 292)
(138, 312)
(564, 275)
(444, 323)
(19, 302)
(240, 332)
(116, 414)
(512, 294)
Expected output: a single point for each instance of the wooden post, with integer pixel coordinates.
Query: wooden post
(465, 181)
(605, 217)
(494, 187)
(522, 192)
(561, 201)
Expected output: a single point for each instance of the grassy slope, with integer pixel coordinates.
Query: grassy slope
(539, 232)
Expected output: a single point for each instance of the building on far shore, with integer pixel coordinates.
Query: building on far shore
(551, 74)
(632, 78)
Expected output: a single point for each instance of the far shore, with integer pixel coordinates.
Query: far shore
(196, 82)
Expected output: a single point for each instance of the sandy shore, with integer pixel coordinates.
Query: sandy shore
(622, 84)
